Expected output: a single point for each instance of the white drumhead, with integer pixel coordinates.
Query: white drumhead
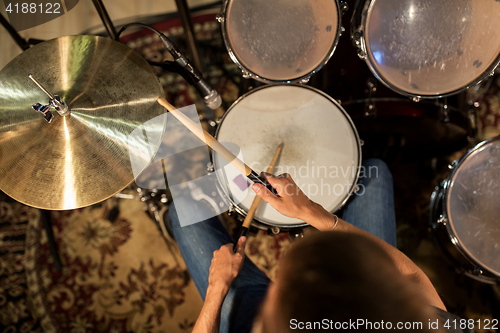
(321, 146)
(429, 47)
(281, 40)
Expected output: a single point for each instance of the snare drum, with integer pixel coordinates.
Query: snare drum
(465, 213)
(281, 41)
(322, 150)
(428, 48)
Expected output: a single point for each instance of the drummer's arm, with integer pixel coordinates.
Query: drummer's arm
(225, 267)
(292, 202)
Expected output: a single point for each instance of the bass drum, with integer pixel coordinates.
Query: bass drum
(322, 150)
(428, 48)
(465, 210)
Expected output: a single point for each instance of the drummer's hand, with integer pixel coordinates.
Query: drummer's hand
(291, 202)
(226, 265)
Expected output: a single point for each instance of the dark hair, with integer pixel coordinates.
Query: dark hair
(344, 277)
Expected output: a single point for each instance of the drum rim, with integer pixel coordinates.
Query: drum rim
(331, 99)
(363, 53)
(437, 225)
(454, 238)
(246, 71)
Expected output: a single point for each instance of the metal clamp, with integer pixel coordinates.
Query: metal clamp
(55, 101)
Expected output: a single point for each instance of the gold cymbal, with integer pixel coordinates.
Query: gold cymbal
(85, 157)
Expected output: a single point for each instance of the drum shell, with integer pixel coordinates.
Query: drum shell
(358, 37)
(444, 235)
(248, 73)
(265, 225)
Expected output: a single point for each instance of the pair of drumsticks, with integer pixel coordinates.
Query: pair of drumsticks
(230, 157)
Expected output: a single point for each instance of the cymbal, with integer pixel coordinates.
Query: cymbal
(85, 157)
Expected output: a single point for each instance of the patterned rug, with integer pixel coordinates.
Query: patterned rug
(124, 276)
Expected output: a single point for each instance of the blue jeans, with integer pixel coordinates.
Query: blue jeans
(372, 210)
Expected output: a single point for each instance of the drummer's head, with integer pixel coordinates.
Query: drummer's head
(337, 277)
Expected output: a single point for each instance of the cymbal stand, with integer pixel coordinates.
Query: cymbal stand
(47, 224)
(44, 214)
(23, 44)
(101, 10)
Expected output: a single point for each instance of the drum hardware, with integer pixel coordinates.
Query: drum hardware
(106, 21)
(445, 117)
(156, 205)
(370, 109)
(55, 101)
(474, 96)
(23, 44)
(452, 165)
(463, 213)
(297, 234)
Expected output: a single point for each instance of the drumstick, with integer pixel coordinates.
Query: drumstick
(215, 145)
(256, 201)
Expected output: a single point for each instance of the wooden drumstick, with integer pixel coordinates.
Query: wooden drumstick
(256, 200)
(215, 145)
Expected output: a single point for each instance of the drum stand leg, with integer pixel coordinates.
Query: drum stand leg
(187, 24)
(23, 44)
(47, 224)
(101, 10)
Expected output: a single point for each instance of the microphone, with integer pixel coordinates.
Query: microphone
(210, 96)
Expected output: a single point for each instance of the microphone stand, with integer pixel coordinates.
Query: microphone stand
(23, 44)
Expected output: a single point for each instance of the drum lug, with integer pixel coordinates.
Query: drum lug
(245, 74)
(416, 99)
(210, 167)
(452, 165)
(361, 142)
(344, 7)
(492, 73)
(342, 30)
(370, 111)
(275, 230)
(357, 37)
(305, 80)
(356, 189)
(477, 271)
(361, 54)
(220, 18)
(164, 198)
(442, 220)
(297, 234)
(445, 114)
(230, 211)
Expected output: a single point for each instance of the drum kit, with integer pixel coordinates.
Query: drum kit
(101, 91)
